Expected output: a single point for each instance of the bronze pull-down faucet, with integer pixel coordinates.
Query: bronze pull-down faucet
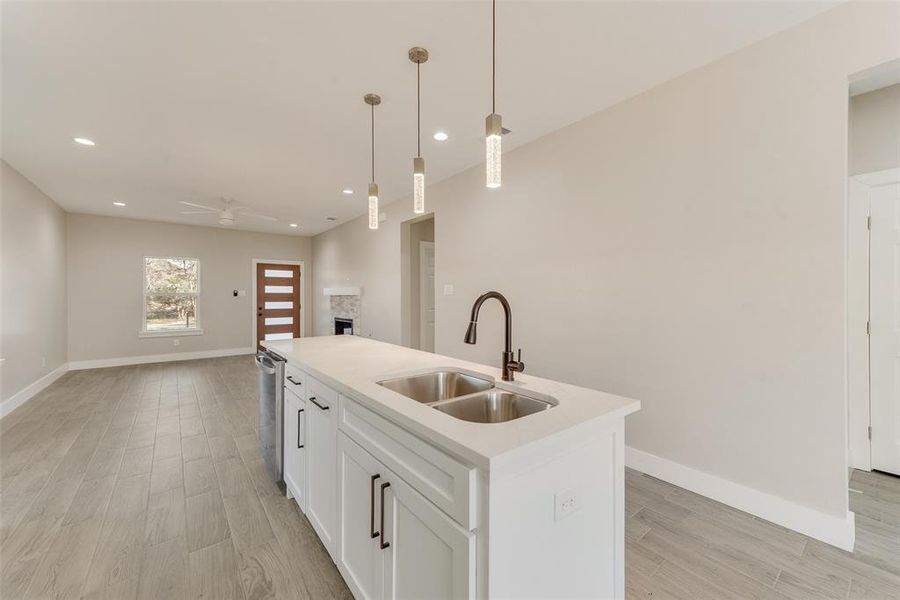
(509, 364)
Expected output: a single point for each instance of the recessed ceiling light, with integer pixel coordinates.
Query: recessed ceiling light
(348, 191)
(293, 224)
(441, 136)
(118, 203)
(84, 141)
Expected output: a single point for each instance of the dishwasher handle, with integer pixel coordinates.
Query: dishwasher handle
(268, 369)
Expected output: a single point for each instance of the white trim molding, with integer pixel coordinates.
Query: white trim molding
(31, 390)
(834, 530)
(170, 332)
(101, 363)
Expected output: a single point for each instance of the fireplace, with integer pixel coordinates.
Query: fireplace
(343, 326)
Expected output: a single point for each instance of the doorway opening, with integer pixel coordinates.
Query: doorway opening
(418, 283)
(873, 274)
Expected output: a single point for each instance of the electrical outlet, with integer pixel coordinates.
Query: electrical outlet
(176, 342)
(43, 361)
(448, 289)
(565, 503)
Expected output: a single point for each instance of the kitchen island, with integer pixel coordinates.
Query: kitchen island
(413, 502)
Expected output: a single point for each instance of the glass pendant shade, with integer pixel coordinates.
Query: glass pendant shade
(419, 185)
(492, 149)
(373, 206)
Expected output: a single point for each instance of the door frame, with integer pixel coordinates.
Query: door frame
(859, 410)
(253, 263)
(422, 245)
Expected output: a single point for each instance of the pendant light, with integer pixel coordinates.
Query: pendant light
(418, 55)
(493, 126)
(373, 100)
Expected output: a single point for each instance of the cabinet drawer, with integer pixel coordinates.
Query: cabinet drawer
(295, 380)
(318, 392)
(446, 482)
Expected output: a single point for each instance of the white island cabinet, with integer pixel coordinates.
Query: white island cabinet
(414, 503)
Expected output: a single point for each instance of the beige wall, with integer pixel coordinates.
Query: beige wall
(105, 257)
(685, 248)
(875, 130)
(33, 276)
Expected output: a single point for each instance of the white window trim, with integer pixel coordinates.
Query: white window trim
(143, 332)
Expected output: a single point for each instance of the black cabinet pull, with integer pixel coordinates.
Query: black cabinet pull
(384, 544)
(372, 531)
(292, 380)
(299, 445)
(313, 400)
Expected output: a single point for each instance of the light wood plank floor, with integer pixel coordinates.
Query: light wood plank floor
(145, 482)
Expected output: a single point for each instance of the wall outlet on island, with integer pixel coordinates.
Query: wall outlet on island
(176, 342)
(565, 503)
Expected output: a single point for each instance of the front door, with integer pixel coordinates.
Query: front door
(277, 302)
(884, 318)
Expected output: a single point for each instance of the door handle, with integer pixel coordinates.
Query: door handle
(372, 531)
(384, 544)
(313, 400)
(299, 445)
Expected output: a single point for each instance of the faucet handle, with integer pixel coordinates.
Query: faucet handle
(517, 365)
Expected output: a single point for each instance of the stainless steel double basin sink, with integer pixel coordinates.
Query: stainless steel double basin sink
(466, 396)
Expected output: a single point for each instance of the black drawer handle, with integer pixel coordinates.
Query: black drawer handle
(299, 445)
(292, 380)
(313, 400)
(372, 531)
(384, 544)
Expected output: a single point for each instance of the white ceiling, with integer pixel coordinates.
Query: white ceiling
(263, 102)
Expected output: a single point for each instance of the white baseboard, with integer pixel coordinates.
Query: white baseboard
(840, 532)
(101, 363)
(29, 391)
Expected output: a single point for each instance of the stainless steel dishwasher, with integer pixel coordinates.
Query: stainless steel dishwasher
(270, 378)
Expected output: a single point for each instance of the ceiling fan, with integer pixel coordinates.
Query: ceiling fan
(226, 214)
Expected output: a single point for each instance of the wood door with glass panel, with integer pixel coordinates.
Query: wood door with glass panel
(277, 302)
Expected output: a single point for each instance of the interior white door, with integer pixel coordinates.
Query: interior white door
(427, 554)
(360, 558)
(426, 296)
(884, 318)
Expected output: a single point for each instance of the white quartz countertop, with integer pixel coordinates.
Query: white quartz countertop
(352, 365)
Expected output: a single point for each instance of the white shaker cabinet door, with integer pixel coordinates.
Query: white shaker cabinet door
(360, 558)
(428, 555)
(321, 461)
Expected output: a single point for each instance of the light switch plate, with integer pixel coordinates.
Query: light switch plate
(448, 289)
(565, 503)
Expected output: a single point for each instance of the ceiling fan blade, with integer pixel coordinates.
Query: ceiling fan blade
(196, 212)
(199, 206)
(264, 217)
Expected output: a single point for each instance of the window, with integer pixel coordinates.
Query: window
(171, 295)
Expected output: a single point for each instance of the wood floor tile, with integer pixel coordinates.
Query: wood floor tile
(206, 520)
(194, 448)
(214, 573)
(165, 516)
(199, 477)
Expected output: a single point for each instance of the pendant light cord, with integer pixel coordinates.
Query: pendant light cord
(373, 143)
(493, 56)
(418, 114)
